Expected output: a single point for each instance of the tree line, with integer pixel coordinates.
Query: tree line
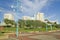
(29, 23)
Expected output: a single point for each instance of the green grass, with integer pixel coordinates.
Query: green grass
(13, 29)
(9, 29)
(1, 34)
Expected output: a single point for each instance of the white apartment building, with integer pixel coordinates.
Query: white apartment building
(26, 18)
(8, 16)
(40, 16)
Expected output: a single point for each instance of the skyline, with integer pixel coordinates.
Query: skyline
(30, 7)
(39, 16)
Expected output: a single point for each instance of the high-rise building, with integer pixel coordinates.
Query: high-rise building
(40, 16)
(8, 16)
(26, 18)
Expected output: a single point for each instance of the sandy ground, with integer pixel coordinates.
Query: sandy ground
(36, 36)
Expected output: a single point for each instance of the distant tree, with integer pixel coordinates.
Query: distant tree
(21, 23)
(55, 22)
(31, 23)
(58, 26)
(9, 22)
(46, 20)
(6, 21)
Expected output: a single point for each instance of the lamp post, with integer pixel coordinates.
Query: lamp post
(46, 26)
(17, 22)
(50, 26)
(17, 16)
(17, 33)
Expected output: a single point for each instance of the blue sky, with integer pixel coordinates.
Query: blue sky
(51, 8)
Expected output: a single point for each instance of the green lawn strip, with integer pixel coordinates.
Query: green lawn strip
(13, 29)
(1, 33)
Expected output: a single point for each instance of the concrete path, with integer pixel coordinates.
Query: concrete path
(36, 36)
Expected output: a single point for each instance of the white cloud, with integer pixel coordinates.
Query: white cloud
(32, 7)
(1, 9)
(52, 16)
(12, 6)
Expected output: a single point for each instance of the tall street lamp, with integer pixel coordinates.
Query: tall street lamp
(17, 22)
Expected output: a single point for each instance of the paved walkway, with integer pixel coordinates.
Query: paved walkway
(47, 36)
(36, 36)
